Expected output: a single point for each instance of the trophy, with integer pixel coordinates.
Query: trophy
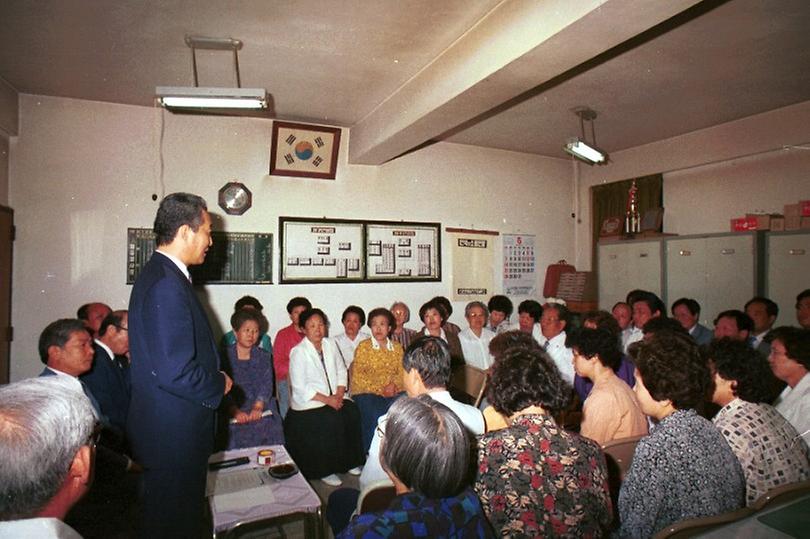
(632, 220)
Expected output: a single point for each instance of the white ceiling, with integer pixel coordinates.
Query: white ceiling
(400, 73)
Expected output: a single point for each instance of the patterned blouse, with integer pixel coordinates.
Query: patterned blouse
(536, 479)
(766, 444)
(414, 515)
(683, 469)
(375, 366)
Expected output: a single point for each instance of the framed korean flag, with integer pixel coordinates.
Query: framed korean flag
(308, 151)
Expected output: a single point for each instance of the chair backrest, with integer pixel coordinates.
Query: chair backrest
(782, 494)
(694, 526)
(376, 497)
(471, 381)
(619, 455)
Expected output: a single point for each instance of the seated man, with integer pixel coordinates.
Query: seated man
(735, 325)
(46, 447)
(763, 312)
(763, 441)
(687, 312)
(92, 314)
(427, 372)
(550, 334)
(645, 306)
(108, 379)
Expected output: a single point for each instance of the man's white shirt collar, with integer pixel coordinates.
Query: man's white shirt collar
(106, 348)
(177, 262)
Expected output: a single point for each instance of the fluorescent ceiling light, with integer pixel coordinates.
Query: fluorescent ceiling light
(177, 97)
(586, 152)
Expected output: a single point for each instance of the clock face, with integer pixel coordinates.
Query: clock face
(235, 198)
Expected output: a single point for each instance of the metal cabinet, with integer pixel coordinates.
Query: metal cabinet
(787, 271)
(626, 265)
(720, 271)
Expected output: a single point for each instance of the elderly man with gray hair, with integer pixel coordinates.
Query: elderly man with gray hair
(47, 447)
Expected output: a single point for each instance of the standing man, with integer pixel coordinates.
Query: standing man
(176, 381)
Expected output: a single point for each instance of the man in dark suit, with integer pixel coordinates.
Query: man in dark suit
(109, 377)
(763, 312)
(687, 312)
(176, 379)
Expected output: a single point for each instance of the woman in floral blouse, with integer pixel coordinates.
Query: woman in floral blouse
(534, 478)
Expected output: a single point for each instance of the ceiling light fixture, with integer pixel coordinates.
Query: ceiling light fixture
(580, 148)
(196, 97)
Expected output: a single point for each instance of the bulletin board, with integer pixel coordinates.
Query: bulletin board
(321, 250)
(400, 251)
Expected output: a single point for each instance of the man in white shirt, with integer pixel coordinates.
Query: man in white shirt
(763, 312)
(40, 419)
(551, 337)
(790, 362)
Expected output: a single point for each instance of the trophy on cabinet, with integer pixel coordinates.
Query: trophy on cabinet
(632, 219)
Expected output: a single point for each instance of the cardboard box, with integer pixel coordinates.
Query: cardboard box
(793, 222)
(792, 210)
(805, 223)
(743, 224)
(777, 223)
(804, 208)
(763, 220)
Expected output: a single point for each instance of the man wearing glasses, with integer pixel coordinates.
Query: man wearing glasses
(47, 442)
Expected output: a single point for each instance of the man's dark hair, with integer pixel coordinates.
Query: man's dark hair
(737, 362)
(671, 369)
(298, 301)
(661, 323)
(430, 356)
(652, 301)
(433, 304)
(691, 305)
(633, 295)
(771, 308)
(524, 377)
(603, 320)
(743, 321)
(426, 447)
(248, 301)
(511, 339)
(115, 319)
(309, 313)
(57, 334)
(796, 342)
(532, 308)
(356, 310)
(444, 302)
(176, 210)
(500, 303)
(803, 294)
(82, 313)
(243, 315)
(382, 311)
(596, 342)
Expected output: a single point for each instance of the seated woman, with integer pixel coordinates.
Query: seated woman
(402, 315)
(249, 302)
(790, 362)
(763, 440)
(476, 338)
(426, 453)
(346, 343)
(684, 468)
(500, 309)
(604, 320)
(250, 405)
(534, 478)
(529, 313)
(434, 316)
(611, 410)
(376, 373)
(322, 428)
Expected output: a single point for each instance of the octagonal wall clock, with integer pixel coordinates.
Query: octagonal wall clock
(308, 151)
(235, 198)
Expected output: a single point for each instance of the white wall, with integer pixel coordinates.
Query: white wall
(81, 172)
(4, 154)
(714, 174)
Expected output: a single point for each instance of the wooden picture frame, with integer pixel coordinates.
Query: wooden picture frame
(305, 151)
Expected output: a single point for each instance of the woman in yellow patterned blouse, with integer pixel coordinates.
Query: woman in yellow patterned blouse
(376, 372)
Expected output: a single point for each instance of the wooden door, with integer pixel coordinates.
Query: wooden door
(6, 243)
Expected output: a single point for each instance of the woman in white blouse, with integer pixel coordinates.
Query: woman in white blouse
(322, 428)
(475, 339)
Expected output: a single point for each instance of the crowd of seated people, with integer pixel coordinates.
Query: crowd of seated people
(713, 407)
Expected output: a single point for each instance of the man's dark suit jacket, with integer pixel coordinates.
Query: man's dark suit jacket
(702, 334)
(176, 383)
(109, 382)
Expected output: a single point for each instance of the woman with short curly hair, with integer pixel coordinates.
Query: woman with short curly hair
(535, 478)
(684, 468)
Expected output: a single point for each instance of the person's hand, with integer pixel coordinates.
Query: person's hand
(228, 383)
(255, 415)
(390, 390)
(335, 402)
(241, 417)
